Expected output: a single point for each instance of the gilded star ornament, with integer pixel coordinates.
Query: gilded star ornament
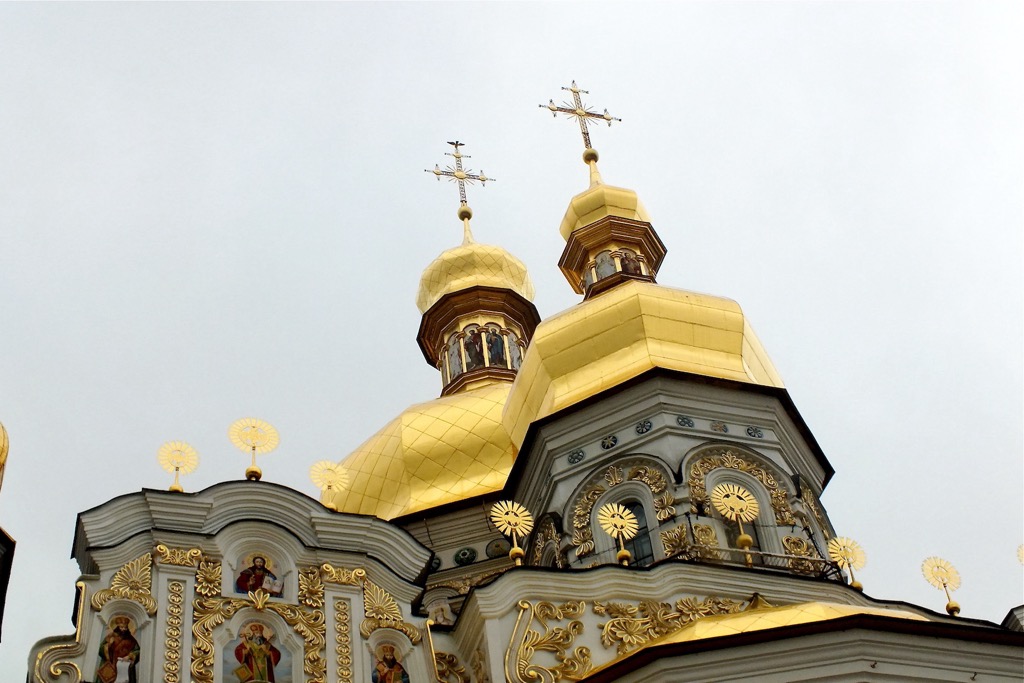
(511, 518)
(940, 573)
(617, 521)
(847, 553)
(735, 502)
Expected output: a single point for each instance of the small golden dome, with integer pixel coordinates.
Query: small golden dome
(600, 200)
(628, 330)
(468, 265)
(449, 449)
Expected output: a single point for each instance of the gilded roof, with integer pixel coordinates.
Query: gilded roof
(468, 265)
(721, 625)
(775, 617)
(445, 450)
(632, 328)
(600, 200)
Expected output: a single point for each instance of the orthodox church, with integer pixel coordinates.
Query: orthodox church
(624, 491)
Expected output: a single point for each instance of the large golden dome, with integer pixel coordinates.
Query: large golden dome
(449, 449)
(468, 265)
(631, 328)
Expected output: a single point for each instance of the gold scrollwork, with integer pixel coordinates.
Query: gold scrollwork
(479, 664)
(183, 557)
(172, 633)
(311, 587)
(448, 670)
(133, 581)
(723, 457)
(210, 611)
(55, 661)
(798, 549)
(343, 639)
(651, 476)
(526, 642)
(463, 585)
(707, 542)
(382, 611)
(630, 626)
(546, 534)
(342, 576)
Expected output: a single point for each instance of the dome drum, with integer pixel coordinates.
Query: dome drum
(610, 250)
(477, 333)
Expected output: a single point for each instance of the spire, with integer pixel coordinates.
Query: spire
(461, 176)
(609, 237)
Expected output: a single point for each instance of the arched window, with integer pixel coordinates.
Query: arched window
(605, 265)
(454, 357)
(474, 344)
(630, 264)
(640, 545)
(496, 357)
(515, 354)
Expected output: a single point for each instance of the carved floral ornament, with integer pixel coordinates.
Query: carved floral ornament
(541, 647)
(545, 535)
(715, 458)
(133, 581)
(651, 476)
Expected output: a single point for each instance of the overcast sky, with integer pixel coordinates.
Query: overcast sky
(212, 211)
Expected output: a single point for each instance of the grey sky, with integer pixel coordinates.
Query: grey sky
(211, 211)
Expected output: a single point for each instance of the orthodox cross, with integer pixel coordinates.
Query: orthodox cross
(576, 109)
(457, 173)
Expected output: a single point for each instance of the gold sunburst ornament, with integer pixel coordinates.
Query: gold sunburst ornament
(738, 504)
(943, 575)
(177, 457)
(848, 554)
(328, 477)
(620, 523)
(516, 522)
(251, 435)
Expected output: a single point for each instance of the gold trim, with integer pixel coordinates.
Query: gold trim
(650, 475)
(172, 634)
(209, 612)
(526, 642)
(546, 534)
(631, 626)
(342, 576)
(677, 544)
(182, 557)
(343, 639)
(799, 548)
(723, 457)
(133, 581)
(479, 663)
(74, 648)
(311, 587)
(382, 611)
(447, 669)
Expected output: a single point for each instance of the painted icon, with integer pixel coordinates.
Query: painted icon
(256, 575)
(389, 669)
(119, 652)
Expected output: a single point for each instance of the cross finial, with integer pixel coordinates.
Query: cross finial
(461, 176)
(581, 112)
(457, 173)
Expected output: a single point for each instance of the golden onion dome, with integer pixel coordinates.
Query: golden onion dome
(628, 330)
(449, 449)
(600, 200)
(469, 265)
